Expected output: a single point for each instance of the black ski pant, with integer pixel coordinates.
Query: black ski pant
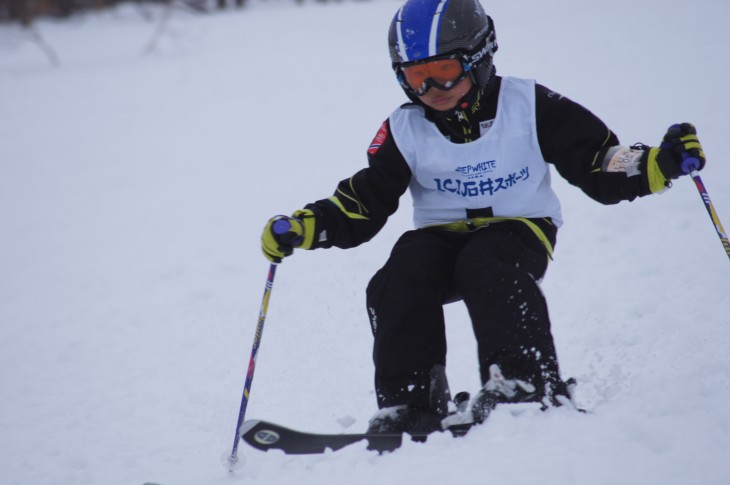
(494, 270)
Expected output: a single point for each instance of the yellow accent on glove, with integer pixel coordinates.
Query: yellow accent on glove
(282, 234)
(309, 224)
(657, 180)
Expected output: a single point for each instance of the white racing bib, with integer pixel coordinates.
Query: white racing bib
(503, 170)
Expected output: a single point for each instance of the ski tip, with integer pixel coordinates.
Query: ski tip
(247, 425)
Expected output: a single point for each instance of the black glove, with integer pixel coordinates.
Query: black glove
(680, 152)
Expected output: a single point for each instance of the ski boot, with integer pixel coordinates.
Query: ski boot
(404, 419)
(499, 389)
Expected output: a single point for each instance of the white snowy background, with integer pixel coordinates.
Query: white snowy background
(134, 187)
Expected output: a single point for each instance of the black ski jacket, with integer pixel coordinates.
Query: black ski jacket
(571, 138)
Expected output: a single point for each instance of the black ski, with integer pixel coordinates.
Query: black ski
(269, 436)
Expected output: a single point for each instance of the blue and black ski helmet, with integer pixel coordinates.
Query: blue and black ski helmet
(431, 28)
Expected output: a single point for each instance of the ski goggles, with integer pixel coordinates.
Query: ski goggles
(442, 73)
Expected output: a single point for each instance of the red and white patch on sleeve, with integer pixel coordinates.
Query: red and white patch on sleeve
(379, 139)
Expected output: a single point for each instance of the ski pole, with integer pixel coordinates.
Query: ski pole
(280, 228)
(233, 458)
(711, 211)
(691, 166)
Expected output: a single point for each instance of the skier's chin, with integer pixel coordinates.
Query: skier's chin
(442, 103)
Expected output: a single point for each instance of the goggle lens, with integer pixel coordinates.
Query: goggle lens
(443, 74)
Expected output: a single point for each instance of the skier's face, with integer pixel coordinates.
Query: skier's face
(440, 100)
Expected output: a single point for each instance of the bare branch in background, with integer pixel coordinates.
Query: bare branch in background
(160, 29)
(36, 36)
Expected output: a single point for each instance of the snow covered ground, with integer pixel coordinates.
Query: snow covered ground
(133, 189)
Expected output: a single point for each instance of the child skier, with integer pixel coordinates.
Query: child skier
(474, 149)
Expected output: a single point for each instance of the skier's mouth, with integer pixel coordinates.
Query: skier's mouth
(441, 100)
